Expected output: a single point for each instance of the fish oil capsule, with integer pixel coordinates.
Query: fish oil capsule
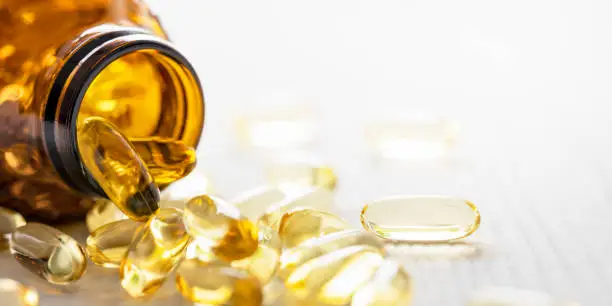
(167, 159)
(49, 253)
(254, 203)
(217, 284)
(304, 224)
(390, 286)
(508, 296)
(116, 166)
(155, 251)
(300, 172)
(13, 293)
(215, 223)
(10, 220)
(103, 212)
(421, 218)
(317, 198)
(334, 277)
(107, 245)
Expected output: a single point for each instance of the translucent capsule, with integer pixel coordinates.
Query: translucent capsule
(49, 253)
(10, 220)
(254, 203)
(217, 284)
(155, 251)
(103, 212)
(508, 296)
(107, 245)
(303, 224)
(316, 198)
(193, 185)
(390, 286)
(13, 293)
(215, 223)
(334, 277)
(297, 256)
(167, 159)
(301, 173)
(421, 218)
(116, 166)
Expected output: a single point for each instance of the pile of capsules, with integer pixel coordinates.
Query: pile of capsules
(277, 245)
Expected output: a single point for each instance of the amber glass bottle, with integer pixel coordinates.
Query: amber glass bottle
(62, 61)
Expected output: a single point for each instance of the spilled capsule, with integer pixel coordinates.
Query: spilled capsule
(13, 293)
(390, 286)
(303, 224)
(316, 198)
(103, 212)
(167, 159)
(49, 253)
(107, 245)
(10, 220)
(421, 218)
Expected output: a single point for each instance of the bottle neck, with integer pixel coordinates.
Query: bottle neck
(86, 59)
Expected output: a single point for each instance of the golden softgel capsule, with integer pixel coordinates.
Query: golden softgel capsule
(155, 251)
(10, 220)
(217, 284)
(167, 159)
(107, 245)
(103, 212)
(48, 253)
(390, 286)
(13, 293)
(301, 173)
(304, 224)
(317, 198)
(219, 225)
(421, 218)
(116, 166)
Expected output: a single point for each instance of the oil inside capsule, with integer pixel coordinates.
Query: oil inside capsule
(155, 251)
(303, 224)
(317, 198)
(103, 212)
(107, 245)
(390, 286)
(13, 293)
(421, 218)
(301, 173)
(10, 220)
(49, 253)
(217, 284)
(117, 168)
(167, 159)
(213, 222)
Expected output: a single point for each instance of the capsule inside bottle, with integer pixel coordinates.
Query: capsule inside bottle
(13, 293)
(49, 253)
(167, 159)
(304, 224)
(421, 218)
(10, 220)
(102, 213)
(113, 162)
(107, 245)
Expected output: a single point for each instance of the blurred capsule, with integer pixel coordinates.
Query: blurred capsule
(219, 225)
(421, 218)
(49, 253)
(155, 251)
(107, 245)
(10, 220)
(297, 256)
(316, 198)
(13, 293)
(217, 284)
(254, 203)
(103, 212)
(508, 296)
(301, 173)
(167, 159)
(303, 224)
(117, 168)
(195, 184)
(390, 286)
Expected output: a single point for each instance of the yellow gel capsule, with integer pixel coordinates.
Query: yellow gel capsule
(107, 245)
(421, 218)
(297, 256)
(217, 284)
(254, 203)
(10, 220)
(167, 159)
(103, 212)
(156, 249)
(390, 286)
(334, 277)
(49, 253)
(215, 223)
(301, 173)
(13, 293)
(304, 224)
(316, 198)
(116, 166)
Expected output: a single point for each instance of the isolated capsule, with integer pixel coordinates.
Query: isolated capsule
(167, 159)
(115, 165)
(156, 249)
(13, 293)
(103, 212)
(421, 218)
(10, 220)
(301, 173)
(49, 253)
(107, 245)
(390, 286)
(316, 198)
(215, 223)
(217, 284)
(303, 224)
